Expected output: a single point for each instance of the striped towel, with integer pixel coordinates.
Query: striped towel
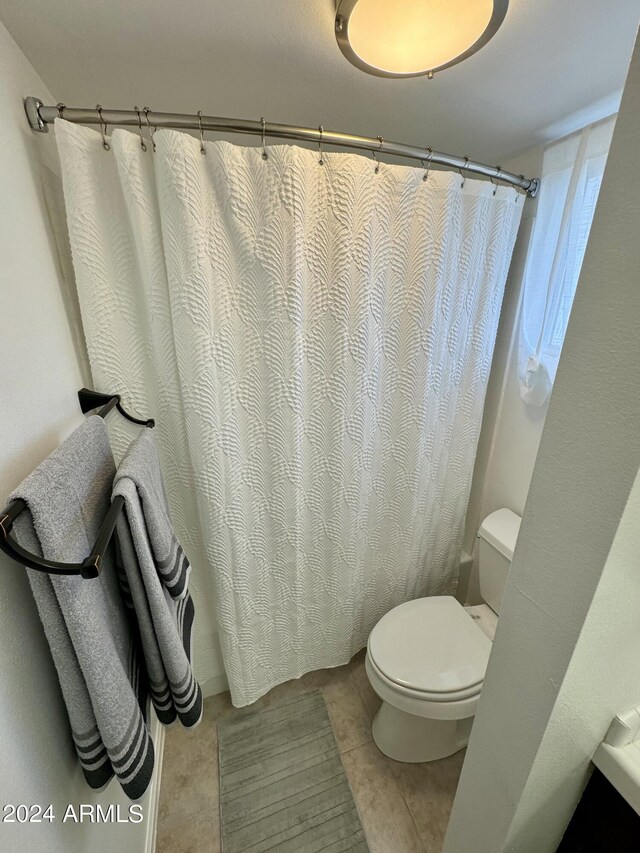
(94, 644)
(155, 571)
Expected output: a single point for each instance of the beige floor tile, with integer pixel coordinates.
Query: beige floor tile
(404, 807)
(322, 677)
(189, 788)
(349, 717)
(191, 836)
(429, 790)
(387, 822)
(287, 690)
(217, 706)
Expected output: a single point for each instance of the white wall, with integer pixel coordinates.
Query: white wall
(568, 640)
(510, 430)
(42, 369)
(602, 681)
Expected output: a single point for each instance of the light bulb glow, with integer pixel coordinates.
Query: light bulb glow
(406, 38)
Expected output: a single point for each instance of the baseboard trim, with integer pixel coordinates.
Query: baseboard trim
(157, 731)
(214, 685)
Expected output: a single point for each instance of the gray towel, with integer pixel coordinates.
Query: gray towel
(156, 571)
(93, 644)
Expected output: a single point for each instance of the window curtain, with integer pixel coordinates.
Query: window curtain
(314, 342)
(571, 176)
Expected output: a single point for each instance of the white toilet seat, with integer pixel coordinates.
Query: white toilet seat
(428, 658)
(415, 703)
(425, 695)
(432, 648)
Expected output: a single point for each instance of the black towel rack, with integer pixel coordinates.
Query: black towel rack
(89, 567)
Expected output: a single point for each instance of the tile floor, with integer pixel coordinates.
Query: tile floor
(404, 807)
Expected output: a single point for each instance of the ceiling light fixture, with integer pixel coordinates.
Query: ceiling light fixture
(410, 38)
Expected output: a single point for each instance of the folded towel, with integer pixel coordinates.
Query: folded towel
(94, 645)
(156, 571)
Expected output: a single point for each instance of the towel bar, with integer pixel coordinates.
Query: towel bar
(91, 565)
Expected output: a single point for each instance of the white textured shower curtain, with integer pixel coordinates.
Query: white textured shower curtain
(314, 342)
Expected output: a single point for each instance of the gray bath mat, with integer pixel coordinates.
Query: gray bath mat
(282, 784)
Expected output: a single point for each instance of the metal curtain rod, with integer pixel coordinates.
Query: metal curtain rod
(40, 116)
(91, 565)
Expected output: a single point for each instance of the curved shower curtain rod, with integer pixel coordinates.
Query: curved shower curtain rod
(40, 116)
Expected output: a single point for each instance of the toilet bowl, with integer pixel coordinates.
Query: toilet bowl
(426, 659)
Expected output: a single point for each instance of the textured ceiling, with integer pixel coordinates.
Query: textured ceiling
(278, 58)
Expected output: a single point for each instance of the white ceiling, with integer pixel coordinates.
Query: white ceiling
(278, 58)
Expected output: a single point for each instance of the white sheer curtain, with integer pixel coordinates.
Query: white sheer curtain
(571, 176)
(315, 342)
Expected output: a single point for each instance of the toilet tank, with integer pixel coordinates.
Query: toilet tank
(497, 539)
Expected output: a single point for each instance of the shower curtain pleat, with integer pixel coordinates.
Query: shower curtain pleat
(316, 343)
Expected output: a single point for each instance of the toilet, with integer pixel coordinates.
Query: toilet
(426, 659)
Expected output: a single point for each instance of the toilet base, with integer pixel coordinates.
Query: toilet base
(408, 738)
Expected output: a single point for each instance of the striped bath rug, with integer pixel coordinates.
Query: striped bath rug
(282, 784)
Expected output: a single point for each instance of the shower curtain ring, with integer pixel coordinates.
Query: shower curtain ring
(142, 142)
(376, 154)
(265, 156)
(146, 112)
(320, 131)
(464, 168)
(515, 189)
(425, 177)
(103, 128)
(60, 107)
(495, 178)
(202, 148)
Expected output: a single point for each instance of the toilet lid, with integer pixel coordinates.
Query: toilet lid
(430, 644)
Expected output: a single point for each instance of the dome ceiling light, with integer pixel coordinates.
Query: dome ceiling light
(410, 38)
